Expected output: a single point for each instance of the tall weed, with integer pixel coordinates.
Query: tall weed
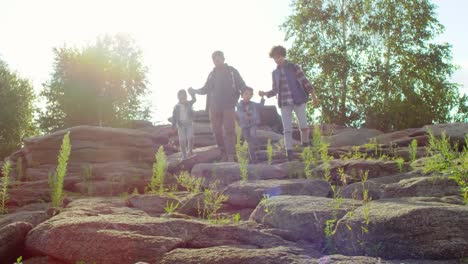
(57, 178)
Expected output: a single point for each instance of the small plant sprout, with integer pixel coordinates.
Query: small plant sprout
(372, 145)
(237, 218)
(342, 176)
(243, 159)
(309, 159)
(160, 166)
(269, 151)
(441, 155)
(400, 162)
(413, 149)
(57, 178)
(19, 260)
(317, 140)
(190, 183)
(325, 161)
(267, 209)
(170, 208)
(365, 197)
(213, 200)
(4, 191)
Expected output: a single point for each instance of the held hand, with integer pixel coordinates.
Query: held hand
(315, 102)
(261, 93)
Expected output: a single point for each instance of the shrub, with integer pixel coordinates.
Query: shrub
(57, 178)
(269, 151)
(189, 182)
(4, 191)
(413, 149)
(160, 166)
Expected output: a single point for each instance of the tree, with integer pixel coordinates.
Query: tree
(16, 115)
(102, 84)
(410, 74)
(328, 44)
(373, 62)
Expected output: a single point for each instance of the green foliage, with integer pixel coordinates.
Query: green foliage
(400, 162)
(16, 118)
(243, 160)
(441, 154)
(170, 208)
(57, 178)
(19, 260)
(160, 166)
(4, 191)
(318, 151)
(212, 200)
(267, 207)
(459, 172)
(413, 149)
(101, 84)
(269, 151)
(237, 218)
(309, 159)
(190, 183)
(325, 161)
(373, 146)
(365, 198)
(372, 62)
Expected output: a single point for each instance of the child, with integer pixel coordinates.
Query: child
(248, 116)
(182, 118)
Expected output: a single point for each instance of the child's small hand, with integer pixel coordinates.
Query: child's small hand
(261, 93)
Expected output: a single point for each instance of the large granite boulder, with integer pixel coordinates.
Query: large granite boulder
(106, 231)
(422, 228)
(12, 238)
(355, 170)
(95, 144)
(249, 194)
(355, 137)
(304, 217)
(236, 255)
(435, 186)
(200, 155)
(228, 172)
(455, 131)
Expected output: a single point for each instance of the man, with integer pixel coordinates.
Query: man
(223, 87)
(292, 88)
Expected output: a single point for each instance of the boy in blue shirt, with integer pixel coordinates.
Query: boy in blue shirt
(248, 116)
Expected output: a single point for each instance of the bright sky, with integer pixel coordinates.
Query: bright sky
(176, 37)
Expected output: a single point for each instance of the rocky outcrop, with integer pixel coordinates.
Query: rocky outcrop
(224, 174)
(12, 239)
(422, 228)
(275, 216)
(95, 145)
(235, 255)
(249, 194)
(353, 137)
(304, 217)
(106, 231)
